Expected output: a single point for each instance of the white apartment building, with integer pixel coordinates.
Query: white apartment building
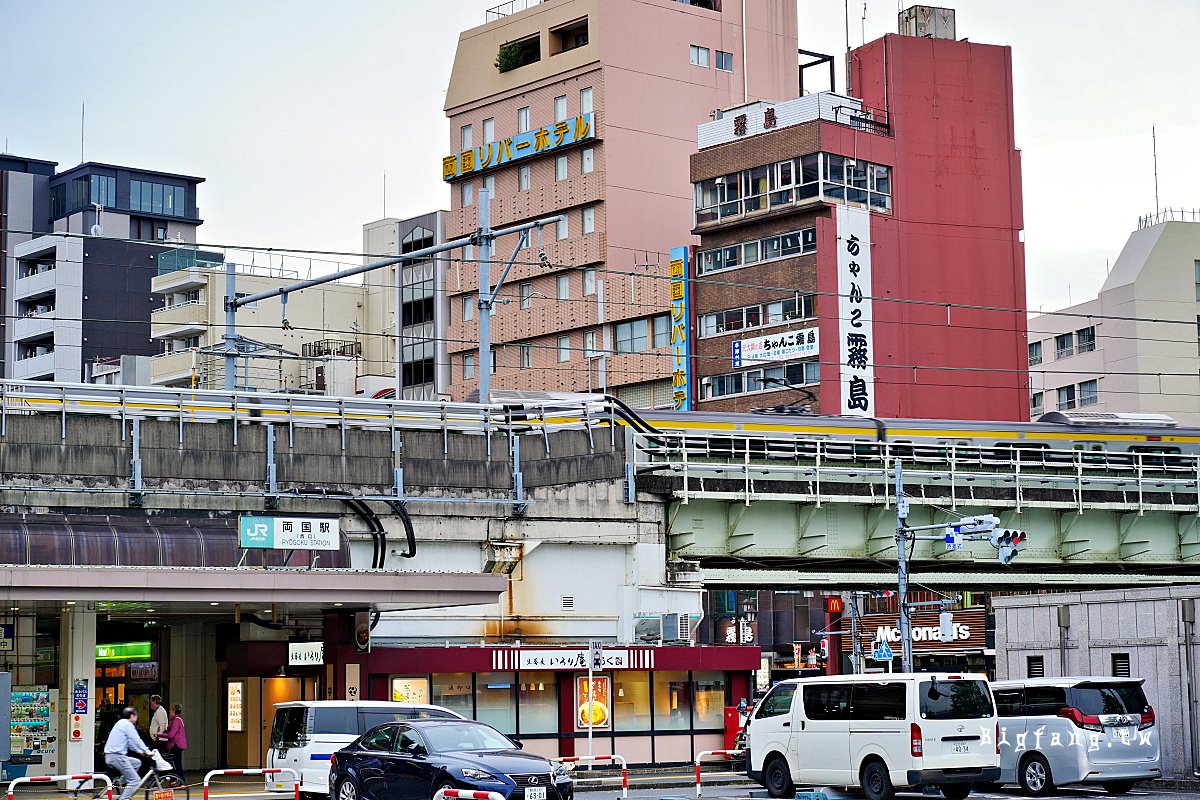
(1135, 347)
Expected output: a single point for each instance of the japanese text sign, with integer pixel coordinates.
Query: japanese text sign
(515, 148)
(780, 346)
(681, 340)
(856, 344)
(304, 654)
(289, 533)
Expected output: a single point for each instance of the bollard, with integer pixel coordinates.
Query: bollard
(730, 754)
(620, 760)
(267, 771)
(91, 776)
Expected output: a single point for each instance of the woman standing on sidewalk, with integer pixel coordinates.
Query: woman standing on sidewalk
(175, 737)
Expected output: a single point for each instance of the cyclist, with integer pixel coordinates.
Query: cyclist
(123, 739)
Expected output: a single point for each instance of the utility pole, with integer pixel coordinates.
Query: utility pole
(906, 660)
(856, 653)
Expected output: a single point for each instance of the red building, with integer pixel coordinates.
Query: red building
(855, 248)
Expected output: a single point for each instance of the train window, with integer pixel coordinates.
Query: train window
(1089, 446)
(1157, 449)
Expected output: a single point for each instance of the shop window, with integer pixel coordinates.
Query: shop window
(495, 700)
(631, 701)
(452, 690)
(710, 699)
(538, 700)
(672, 701)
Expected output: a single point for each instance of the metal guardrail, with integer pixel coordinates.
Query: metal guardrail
(1079, 475)
(83, 778)
(210, 406)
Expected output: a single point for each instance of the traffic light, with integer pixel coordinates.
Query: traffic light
(1006, 542)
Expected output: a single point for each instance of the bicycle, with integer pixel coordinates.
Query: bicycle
(158, 781)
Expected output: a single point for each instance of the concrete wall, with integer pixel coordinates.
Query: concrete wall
(1145, 624)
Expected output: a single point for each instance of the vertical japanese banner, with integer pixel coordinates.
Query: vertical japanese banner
(681, 336)
(856, 347)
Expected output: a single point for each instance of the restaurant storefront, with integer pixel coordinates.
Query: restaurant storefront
(968, 651)
(650, 704)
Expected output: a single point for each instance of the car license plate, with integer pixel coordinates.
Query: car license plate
(962, 748)
(535, 793)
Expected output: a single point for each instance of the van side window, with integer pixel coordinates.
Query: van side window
(1044, 701)
(1009, 702)
(826, 701)
(778, 702)
(380, 739)
(879, 701)
(288, 729)
(338, 719)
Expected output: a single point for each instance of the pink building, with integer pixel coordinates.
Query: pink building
(619, 87)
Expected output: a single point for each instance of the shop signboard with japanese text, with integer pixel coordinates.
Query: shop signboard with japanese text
(681, 338)
(593, 702)
(306, 654)
(289, 533)
(856, 346)
(410, 690)
(517, 148)
(782, 346)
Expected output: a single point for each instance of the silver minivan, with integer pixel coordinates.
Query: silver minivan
(1055, 731)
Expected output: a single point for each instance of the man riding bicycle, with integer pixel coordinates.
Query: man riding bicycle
(123, 739)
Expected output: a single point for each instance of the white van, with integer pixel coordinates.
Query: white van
(877, 732)
(1055, 731)
(307, 732)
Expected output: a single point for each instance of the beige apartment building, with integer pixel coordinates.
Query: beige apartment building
(589, 108)
(320, 351)
(1136, 347)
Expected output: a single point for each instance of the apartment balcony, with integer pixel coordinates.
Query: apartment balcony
(174, 367)
(35, 326)
(34, 367)
(180, 320)
(181, 280)
(34, 285)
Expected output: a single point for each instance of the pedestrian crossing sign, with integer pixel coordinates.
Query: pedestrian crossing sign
(883, 651)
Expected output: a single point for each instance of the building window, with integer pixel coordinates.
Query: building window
(494, 359)
(1120, 665)
(466, 193)
(495, 700)
(525, 293)
(564, 349)
(589, 220)
(585, 100)
(1066, 398)
(1085, 339)
(787, 245)
(489, 130)
(1198, 279)
(699, 55)
(561, 230)
(586, 160)
(526, 351)
(156, 198)
(798, 373)
(104, 190)
(633, 689)
(1035, 403)
(468, 308)
(538, 701)
(724, 61)
(632, 336)
(562, 287)
(589, 282)
(58, 201)
(465, 137)
(1035, 667)
(560, 168)
(1035, 353)
(489, 183)
(523, 179)
(468, 367)
(523, 119)
(661, 325)
(1064, 345)
(798, 307)
(672, 700)
(560, 108)
(1089, 393)
(589, 344)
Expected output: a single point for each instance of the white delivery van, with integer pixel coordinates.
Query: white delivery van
(875, 732)
(1055, 731)
(306, 733)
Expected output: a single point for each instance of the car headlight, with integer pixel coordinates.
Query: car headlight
(478, 775)
(560, 773)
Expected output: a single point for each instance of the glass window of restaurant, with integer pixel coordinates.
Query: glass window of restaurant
(495, 700)
(672, 701)
(453, 690)
(631, 701)
(538, 703)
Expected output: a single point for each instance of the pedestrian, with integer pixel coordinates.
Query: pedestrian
(175, 737)
(123, 739)
(158, 718)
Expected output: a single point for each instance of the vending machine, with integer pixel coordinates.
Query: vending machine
(34, 733)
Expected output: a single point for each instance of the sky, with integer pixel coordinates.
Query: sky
(293, 111)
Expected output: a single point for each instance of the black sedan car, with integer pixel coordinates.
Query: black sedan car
(412, 760)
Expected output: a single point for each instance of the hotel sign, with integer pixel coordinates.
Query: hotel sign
(681, 350)
(516, 148)
(803, 343)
